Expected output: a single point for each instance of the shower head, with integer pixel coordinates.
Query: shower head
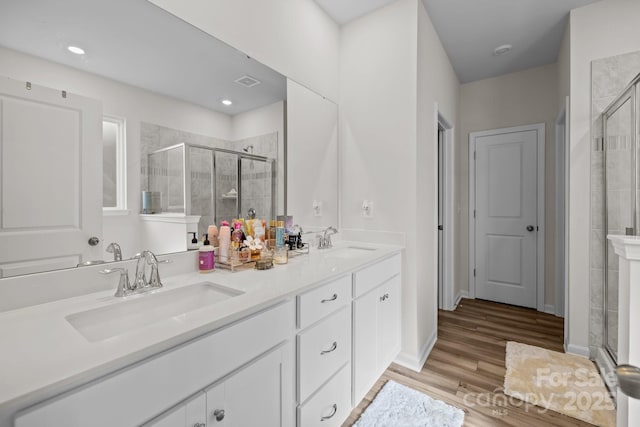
(248, 149)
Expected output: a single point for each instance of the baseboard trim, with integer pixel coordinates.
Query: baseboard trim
(550, 308)
(413, 362)
(577, 349)
(461, 294)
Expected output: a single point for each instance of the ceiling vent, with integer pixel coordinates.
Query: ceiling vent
(247, 81)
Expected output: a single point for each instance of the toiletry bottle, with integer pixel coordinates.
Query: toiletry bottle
(194, 241)
(224, 240)
(258, 229)
(236, 237)
(212, 231)
(281, 255)
(206, 257)
(272, 234)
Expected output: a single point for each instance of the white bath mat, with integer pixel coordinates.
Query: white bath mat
(400, 406)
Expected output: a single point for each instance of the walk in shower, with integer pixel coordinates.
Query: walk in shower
(214, 183)
(621, 123)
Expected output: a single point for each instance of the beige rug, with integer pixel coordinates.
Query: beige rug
(564, 383)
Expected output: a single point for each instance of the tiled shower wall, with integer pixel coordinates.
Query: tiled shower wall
(609, 77)
(257, 176)
(256, 183)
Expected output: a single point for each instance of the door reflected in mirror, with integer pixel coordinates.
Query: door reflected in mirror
(162, 94)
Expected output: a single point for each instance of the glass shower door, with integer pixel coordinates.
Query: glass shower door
(257, 182)
(226, 185)
(202, 197)
(620, 194)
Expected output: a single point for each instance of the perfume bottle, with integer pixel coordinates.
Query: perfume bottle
(281, 255)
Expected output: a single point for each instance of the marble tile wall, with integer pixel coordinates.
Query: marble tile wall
(609, 77)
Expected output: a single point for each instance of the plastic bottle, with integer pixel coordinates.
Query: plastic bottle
(236, 237)
(206, 258)
(224, 237)
(281, 255)
(212, 231)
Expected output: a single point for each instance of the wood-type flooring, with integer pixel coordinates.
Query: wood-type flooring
(466, 366)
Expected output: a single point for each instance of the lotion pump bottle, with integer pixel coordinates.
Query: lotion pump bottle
(206, 257)
(224, 238)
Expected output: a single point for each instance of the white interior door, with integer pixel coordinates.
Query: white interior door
(506, 212)
(50, 178)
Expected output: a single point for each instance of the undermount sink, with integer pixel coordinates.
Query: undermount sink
(349, 252)
(142, 310)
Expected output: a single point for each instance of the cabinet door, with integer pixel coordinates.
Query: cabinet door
(388, 322)
(364, 344)
(255, 396)
(190, 414)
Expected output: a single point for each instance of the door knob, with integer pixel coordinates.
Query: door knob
(629, 380)
(93, 241)
(219, 414)
(530, 227)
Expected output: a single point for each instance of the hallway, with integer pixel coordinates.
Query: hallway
(466, 366)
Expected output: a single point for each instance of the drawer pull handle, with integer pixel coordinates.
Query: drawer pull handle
(333, 347)
(199, 425)
(334, 409)
(219, 414)
(333, 298)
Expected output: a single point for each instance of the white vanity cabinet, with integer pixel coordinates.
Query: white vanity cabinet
(376, 323)
(250, 397)
(189, 414)
(249, 361)
(324, 354)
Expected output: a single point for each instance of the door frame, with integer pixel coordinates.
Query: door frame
(562, 218)
(448, 221)
(539, 128)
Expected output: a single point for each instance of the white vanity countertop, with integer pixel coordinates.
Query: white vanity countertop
(44, 355)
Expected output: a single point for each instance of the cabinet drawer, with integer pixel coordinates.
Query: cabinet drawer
(331, 405)
(370, 277)
(137, 393)
(318, 303)
(322, 349)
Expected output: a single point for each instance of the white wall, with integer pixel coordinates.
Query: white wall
(437, 84)
(261, 121)
(294, 37)
(564, 67)
(392, 70)
(521, 98)
(124, 101)
(600, 30)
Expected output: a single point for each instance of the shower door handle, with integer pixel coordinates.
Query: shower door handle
(530, 228)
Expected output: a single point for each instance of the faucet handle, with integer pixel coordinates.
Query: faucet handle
(124, 286)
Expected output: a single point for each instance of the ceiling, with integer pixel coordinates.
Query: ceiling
(471, 29)
(137, 43)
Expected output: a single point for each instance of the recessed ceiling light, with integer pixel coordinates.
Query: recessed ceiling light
(75, 49)
(227, 102)
(502, 50)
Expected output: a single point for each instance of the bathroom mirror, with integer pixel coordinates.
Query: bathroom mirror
(158, 82)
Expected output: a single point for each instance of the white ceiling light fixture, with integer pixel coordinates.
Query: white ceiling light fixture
(502, 50)
(75, 49)
(227, 102)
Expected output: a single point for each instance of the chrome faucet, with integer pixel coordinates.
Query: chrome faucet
(140, 282)
(324, 241)
(124, 286)
(114, 249)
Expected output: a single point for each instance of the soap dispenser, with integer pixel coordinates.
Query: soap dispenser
(194, 241)
(206, 257)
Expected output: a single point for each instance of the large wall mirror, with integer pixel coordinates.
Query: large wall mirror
(152, 104)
